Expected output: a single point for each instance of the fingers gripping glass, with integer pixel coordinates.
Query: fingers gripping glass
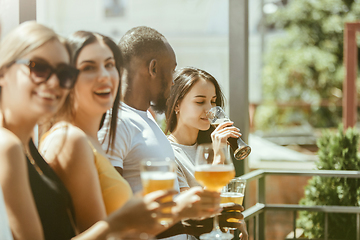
(40, 72)
(217, 116)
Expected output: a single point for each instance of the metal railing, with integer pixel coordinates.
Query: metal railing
(258, 210)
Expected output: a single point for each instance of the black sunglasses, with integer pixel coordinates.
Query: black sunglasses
(41, 71)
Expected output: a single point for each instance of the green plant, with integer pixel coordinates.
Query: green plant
(305, 64)
(337, 151)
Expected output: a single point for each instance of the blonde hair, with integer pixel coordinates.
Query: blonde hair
(25, 38)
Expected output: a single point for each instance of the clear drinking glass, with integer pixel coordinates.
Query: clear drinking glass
(216, 115)
(234, 193)
(158, 175)
(214, 169)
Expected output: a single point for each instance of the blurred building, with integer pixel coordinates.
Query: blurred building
(197, 29)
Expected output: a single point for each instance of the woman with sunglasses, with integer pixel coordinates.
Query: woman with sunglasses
(35, 79)
(194, 92)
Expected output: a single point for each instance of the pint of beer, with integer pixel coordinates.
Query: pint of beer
(233, 193)
(230, 197)
(158, 175)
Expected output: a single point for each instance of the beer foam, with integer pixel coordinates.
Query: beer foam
(219, 121)
(231, 194)
(214, 168)
(157, 175)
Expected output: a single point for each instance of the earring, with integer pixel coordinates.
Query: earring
(176, 112)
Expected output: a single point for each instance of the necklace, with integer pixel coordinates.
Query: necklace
(32, 161)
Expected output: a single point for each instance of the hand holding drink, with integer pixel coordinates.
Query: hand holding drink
(159, 175)
(217, 116)
(234, 193)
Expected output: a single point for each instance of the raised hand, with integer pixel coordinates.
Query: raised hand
(141, 214)
(231, 215)
(197, 203)
(220, 137)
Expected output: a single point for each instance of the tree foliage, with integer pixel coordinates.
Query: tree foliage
(337, 151)
(305, 64)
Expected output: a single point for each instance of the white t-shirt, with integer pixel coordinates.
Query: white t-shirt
(185, 159)
(5, 233)
(138, 137)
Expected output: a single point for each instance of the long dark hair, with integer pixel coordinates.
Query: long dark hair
(184, 80)
(77, 41)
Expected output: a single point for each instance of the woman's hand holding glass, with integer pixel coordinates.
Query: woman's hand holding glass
(140, 215)
(233, 193)
(221, 134)
(197, 203)
(217, 116)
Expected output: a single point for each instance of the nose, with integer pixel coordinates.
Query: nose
(208, 107)
(53, 81)
(104, 74)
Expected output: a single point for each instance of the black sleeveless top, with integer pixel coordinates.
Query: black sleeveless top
(52, 199)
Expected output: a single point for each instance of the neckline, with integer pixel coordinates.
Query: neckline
(172, 140)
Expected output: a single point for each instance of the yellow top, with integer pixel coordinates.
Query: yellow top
(115, 190)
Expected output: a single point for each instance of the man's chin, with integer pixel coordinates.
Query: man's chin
(159, 109)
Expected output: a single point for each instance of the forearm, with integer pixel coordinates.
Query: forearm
(114, 224)
(98, 231)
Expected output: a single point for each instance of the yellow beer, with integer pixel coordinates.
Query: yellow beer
(232, 197)
(214, 177)
(154, 181)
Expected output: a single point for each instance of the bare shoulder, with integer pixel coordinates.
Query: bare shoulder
(9, 141)
(66, 143)
(11, 155)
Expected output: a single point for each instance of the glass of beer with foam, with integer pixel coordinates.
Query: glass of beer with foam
(216, 116)
(234, 193)
(158, 175)
(213, 170)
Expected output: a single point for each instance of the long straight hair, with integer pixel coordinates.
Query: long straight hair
(184, 80)
(77, 41)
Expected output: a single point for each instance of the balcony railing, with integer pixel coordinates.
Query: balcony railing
(257, 212)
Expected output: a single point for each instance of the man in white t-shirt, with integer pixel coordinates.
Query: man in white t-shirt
(138, 137)
(149, 63)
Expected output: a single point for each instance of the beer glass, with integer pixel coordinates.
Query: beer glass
(241, 150)
(234, 193)
(158, 175)
(213, 170)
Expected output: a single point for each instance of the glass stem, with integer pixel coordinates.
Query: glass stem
(216, 223)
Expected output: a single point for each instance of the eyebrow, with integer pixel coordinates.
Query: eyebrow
(43, 60)
(39, 59)
(203, 96)
(92, 61)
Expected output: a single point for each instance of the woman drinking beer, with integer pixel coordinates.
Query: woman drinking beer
(193, 94)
